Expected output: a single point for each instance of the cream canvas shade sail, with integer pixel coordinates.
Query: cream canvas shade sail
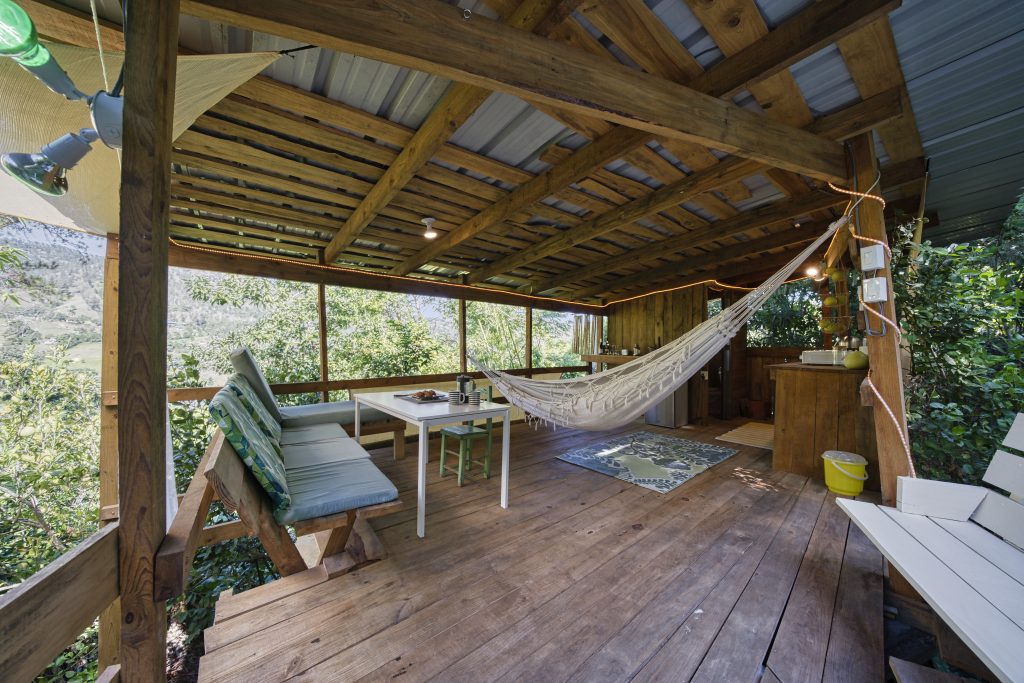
(31, 116)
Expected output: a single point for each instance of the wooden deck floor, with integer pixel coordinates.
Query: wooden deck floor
(741, 574)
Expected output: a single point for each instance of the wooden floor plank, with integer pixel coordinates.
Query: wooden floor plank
(583, 578)
(856, 649)
(681, 654)
(800, 644)
(561, 565)
(673, 585)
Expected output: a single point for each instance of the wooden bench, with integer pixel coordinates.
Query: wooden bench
(221, 475)
(960, 547)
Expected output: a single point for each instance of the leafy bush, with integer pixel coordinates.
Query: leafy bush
(788, 318)
(962, 311)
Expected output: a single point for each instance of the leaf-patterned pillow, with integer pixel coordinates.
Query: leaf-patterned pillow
(259, 452)
(254, 406)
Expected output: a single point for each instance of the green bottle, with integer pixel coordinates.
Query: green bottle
(18, 40)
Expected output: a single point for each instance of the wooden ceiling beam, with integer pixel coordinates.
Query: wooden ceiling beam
(762, 216)
(457, 105)
(734, 270)
(822, 24)
(609, 17)
(881, 109)
(281, 269)
(720, 255)
(431, 36)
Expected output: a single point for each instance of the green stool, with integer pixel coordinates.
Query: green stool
(466, 433)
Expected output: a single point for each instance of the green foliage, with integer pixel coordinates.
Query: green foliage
(49, 447)
(49, 478)
(962, 311)
(788, 318)
(11, 265)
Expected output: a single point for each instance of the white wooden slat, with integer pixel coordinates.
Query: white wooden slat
(938, 498)
(991, 582)
(994, 549)
(1001, 516)
(1006, 471)
(1015, 437)
(992, 636)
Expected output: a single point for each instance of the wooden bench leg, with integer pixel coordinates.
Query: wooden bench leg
(336, 538)
(399, 446)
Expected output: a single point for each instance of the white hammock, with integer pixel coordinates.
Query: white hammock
(615, 397)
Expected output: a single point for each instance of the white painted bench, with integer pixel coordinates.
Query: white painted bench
(960, 547)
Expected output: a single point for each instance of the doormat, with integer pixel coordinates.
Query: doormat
(654, 461)
(759, 434)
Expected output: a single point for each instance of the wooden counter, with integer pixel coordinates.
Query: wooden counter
(818, 409)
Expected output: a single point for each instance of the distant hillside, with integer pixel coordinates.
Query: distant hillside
(63, 305)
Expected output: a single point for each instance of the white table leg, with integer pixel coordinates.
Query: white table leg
(357, 421)
(421, 486)
(506, 438)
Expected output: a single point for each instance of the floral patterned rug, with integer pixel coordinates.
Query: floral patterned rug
(654, 461)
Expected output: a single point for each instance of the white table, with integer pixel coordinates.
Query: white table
(428, 415)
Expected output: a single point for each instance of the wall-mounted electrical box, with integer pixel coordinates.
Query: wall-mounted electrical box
(874, 290)
(872, 258)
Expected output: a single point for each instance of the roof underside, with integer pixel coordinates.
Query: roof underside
(272, 173)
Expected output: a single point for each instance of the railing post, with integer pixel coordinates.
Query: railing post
(110, 618)
(325, 395)
(151, 45)
(462, 335)
(529, 341)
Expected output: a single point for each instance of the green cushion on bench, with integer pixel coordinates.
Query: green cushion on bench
(252, 403)
(258, 451)
(306, 455)
(338, 412)
(335, 488)
(245, 364)
(312, 434)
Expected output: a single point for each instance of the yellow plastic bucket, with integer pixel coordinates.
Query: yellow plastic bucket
(845, 473)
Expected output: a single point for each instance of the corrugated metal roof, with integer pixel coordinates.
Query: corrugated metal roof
(963, 63)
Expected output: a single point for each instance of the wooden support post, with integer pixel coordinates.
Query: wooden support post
(462, 335)
(883, 350)
(529, 341)
(151, 46)
(110, 618)
(325, 395)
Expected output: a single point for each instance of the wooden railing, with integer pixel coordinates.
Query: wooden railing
(316, 387)
(42, 616)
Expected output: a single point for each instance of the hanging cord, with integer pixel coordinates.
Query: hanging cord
(99, 44)
(895, 422)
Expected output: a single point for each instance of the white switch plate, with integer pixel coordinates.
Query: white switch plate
(875, 290)
(872, 258)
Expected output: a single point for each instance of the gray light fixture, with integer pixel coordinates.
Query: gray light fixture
(46, 172)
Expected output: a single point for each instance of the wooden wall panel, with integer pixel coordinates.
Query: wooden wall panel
(662, 318)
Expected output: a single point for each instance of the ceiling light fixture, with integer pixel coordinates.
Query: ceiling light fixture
(429, 233)
(46, 171)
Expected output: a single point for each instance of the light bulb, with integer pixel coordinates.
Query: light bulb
(429, 233)
(812, 271)
(46, 172)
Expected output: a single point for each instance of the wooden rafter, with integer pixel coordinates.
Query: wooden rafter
(726, 171)
(635, 30)
(432, 37)
(457, 105)
(748, 220)
(717, 256)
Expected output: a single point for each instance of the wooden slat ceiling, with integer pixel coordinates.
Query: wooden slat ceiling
(277, 170)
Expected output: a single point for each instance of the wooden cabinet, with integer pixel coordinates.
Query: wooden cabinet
(818, 409)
